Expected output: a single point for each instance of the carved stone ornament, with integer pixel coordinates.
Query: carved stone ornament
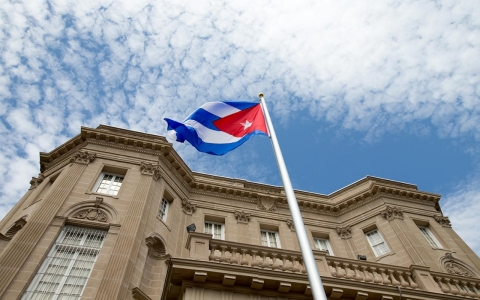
(93, 213)
(344, 232)
(242, 217)
(156, 248)
(36, 181)
(83, 157)
(454, 267)
(442, 220)
(290, 225)
(266, 203)
(392, 212)
(188, 207)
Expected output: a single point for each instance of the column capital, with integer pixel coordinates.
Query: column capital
(83, 157)
(150, 169)
(344, 232)
(392, 212)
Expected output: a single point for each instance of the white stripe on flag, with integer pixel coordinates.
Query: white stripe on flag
(219, 109)
(211, 136)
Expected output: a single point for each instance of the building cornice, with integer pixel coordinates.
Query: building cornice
(336, 204)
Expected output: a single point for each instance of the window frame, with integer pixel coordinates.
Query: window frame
(52, 256)
(165, 213)
(99, 182)
(431, 236)
(277, 238)
(329, 247)
(222, 230)
(373, 246)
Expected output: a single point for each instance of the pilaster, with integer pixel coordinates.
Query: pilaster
(122, 260)
(345, 234)
(25, 240)
(395, 216)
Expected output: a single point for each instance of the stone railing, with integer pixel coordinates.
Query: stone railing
(371, 272)
(256, 256)
(414, 278)
(457, 285)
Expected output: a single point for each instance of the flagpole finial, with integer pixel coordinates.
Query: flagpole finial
(260, 95)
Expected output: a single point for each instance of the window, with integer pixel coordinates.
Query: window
(109, 184)
(65, 271)
(270, 238)
(162, 212)
(430, 237)
(215, 229)
(323, 244)
(377, 243)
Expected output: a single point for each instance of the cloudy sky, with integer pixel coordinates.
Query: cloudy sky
(355, 88)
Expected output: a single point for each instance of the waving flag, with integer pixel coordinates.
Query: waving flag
(219, 127)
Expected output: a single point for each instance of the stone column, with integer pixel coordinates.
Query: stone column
(122, 260)
(346, 234)
(25, 240)
(395, 216)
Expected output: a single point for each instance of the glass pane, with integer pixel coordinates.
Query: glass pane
(264, 238)
(217, 231)
(208, 228)
(272, 239)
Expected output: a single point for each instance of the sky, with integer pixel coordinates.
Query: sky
(355, 88)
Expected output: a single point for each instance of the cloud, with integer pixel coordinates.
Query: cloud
(367, 66)
(462, 207)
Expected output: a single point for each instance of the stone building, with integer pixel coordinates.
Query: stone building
(107, 218)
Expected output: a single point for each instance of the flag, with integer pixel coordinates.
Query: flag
(219, 127)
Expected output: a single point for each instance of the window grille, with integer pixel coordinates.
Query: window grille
(270, 239)
(216, 229)
(65, 271)
(110, 184)
(324, 245)
(429, 237)
(377, 243)
(162, 212)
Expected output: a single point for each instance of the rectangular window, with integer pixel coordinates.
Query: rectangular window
(377, 243)
(65, 271)
(430, 237)
(270, 238)
(162, 212)
(323, 244)
(109, 184)
(215, 229)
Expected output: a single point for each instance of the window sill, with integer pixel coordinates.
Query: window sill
(104, 195)
(168, 227)
(384, 255)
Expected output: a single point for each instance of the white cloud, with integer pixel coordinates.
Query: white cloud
(368, 66)
(462, 207)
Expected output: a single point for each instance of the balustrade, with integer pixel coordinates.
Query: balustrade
(371, 272)
(466, 286)
(256, 256)
(282, 260)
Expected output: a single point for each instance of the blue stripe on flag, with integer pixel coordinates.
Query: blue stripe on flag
(241, 105)
(204, 117)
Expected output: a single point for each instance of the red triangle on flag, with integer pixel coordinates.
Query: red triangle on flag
(243, 122)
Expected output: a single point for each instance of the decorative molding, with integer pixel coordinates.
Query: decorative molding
(291, 225)
(14, 229)
(138, 294)
(263, 202)
(188, 207)
(455, 266)
(442, 220)
(392, 212)
(83, 157)
(242, 217)
(156, 247)
(94, 213)
(344, 232)
(36, 181)
(147, 169)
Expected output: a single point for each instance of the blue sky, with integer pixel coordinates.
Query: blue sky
(386, 89)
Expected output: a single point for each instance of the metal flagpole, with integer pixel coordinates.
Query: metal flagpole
(308, 259)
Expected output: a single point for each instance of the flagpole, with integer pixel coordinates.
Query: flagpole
(308, 259)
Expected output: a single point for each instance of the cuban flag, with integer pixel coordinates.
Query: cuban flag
(219, 127)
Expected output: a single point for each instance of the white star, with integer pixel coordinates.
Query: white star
(246, 124)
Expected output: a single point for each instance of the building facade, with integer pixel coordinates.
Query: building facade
(107, 218)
